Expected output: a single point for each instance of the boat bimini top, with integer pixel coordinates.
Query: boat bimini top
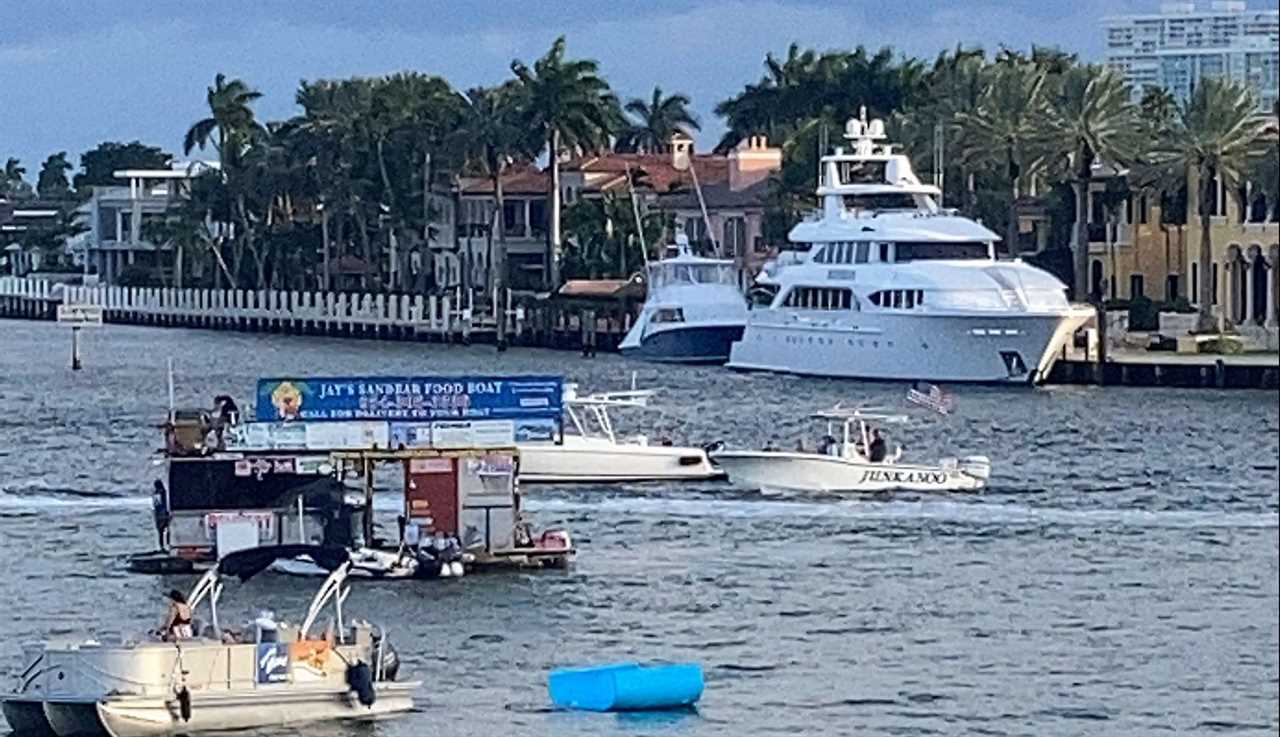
(245, 564)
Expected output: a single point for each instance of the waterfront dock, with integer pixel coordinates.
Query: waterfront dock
(448, 318)
(1152, 368)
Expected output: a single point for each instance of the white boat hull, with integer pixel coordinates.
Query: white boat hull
(598, 460)
(153, 717)
(782, 471)
(996, 348)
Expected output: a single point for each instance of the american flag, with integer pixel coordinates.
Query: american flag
(931, 397)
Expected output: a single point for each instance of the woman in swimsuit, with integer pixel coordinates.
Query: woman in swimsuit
(177, 623)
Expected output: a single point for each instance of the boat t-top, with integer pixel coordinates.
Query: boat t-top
(888, 285)
(851, 457)
(693, 311)
(221, 678)
(589, 449)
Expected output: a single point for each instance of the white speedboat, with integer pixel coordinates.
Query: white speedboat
(588, 450)
(890, 286)
(222, 679)
(693, 311)
(843, 463)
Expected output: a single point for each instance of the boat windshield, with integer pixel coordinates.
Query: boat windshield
(665, 274)
(935, 251)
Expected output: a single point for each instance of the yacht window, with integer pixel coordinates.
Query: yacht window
(897, 298)
(823, 255)
(909, 300)
(668, 314)
(826, 300)
(883, 201)
(933, 251)
(884, 251)
(862, 172)
(864, 252)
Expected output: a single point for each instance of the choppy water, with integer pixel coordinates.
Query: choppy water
(1120, 576)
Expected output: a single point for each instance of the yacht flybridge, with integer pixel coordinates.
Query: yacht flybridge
(891, 286)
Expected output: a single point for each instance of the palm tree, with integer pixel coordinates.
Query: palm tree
(52, 182)
(572, 106)
(1214, 136)
(13, 183)
(1004, 130)
(1091, 117)
(494, 136)
(656, 121)
(230, 115)
(232, 118)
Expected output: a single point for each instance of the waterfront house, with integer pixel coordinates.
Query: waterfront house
(734, 187)
(21, 222)
(1134, 249)
(1145, 256)
(524, 220)
(115, 219)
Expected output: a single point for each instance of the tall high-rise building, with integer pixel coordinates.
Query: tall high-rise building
(1183, 43)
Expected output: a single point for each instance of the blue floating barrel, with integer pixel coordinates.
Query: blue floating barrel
(627, 687)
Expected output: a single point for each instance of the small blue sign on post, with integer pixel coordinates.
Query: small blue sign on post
(273, 662)
(320, 399)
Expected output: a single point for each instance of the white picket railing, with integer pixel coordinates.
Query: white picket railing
(241, 307)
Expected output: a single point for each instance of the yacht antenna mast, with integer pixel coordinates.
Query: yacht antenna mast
(702, 204)
(939, 157)
(635, 210)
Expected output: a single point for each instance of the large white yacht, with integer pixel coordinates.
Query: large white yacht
(890, 286)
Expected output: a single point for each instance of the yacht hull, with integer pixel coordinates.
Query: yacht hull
(1003, 348)
(706, 344)
(592, 460)
(782, 471)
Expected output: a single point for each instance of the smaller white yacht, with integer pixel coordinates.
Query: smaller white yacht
(693, 312)
(852, 457)
(590, 451)
(267, 674)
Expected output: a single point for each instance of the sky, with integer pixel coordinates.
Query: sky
(74, 73)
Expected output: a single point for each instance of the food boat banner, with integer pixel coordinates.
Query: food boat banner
(341, 399)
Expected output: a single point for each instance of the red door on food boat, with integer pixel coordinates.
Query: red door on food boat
(431, 494)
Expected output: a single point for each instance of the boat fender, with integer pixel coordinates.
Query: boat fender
(184, 704)
(360, 679)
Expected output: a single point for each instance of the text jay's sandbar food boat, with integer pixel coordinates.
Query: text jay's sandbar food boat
(222, 678)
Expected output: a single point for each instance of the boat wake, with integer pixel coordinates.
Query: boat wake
(973, 513)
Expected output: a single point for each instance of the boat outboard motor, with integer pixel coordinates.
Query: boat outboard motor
(360, 679)
(713, 446)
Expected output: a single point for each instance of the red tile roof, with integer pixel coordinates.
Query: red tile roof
(659, 174)
(520, 182)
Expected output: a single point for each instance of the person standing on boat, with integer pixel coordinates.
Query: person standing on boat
(879, 449)
(177, 622)
(160, 512)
